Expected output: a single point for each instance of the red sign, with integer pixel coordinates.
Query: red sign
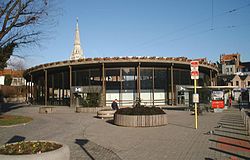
(218, 104)
(194, 74)
(194, 63)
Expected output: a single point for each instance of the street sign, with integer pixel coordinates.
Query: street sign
(194, 74)
(194, 65)
(196, 98)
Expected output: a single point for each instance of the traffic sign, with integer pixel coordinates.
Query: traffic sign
(194, 65)
(194, 74)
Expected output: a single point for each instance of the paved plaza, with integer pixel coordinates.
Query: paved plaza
(220, 136)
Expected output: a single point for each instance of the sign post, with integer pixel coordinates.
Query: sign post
(195, 75)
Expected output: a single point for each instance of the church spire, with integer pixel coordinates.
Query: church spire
(77, 52)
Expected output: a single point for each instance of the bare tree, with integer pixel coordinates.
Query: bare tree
(21, 22)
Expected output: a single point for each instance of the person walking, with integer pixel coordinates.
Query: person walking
(114, 105)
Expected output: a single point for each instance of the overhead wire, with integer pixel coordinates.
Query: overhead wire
(212, 28)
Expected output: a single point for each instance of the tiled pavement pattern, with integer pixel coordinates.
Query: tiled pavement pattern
(95, 139)
(230, 138)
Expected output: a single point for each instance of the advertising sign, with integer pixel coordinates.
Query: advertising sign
(218, 104)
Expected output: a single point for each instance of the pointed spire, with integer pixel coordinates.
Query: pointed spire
(77, 52)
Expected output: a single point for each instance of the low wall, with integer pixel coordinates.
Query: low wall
(140, 120)
(89, 109)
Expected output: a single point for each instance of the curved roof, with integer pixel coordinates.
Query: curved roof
(112, 60)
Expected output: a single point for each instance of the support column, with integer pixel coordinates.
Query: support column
(31, 88)
(26, 91)
(139, 81)
(153, 86)
(120, 92)
(172, 84)
(46, 87)
(211, 78)
(63, 87)
(70, 85)
(215, 79)
(103, 86)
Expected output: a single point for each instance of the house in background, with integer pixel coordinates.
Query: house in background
(230, 63)
(245, 68)
(16, 75)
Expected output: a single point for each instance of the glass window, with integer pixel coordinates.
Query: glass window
(160, 79)
(129, 78)
(113, 79)
(237, 83)
(146, 78)
(95, 77)
(182, 77)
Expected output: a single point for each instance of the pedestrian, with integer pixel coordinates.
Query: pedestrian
(114, 105)
(230, 101)
(239, 103)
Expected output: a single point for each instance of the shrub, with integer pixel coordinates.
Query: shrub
(28, 147)
(140, 111)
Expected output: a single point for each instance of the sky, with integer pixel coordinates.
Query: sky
(165, 28)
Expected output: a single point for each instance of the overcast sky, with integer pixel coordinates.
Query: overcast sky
(168, 28)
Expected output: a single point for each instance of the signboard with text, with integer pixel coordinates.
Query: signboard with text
(218, 104)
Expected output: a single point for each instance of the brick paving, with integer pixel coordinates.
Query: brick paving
(92, 138)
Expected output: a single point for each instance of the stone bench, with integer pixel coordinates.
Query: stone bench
(45, 110)
(107, 113)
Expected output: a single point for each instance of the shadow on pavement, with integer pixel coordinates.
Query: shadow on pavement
(16, 138)
(229, 153)
(110, 121)
(6, 107)
(231, 144)
(230, 124)
(81, 143)
(221, 135)
(95, 151)
(178, 125)
(232, 121)
(237, 129)
(244, 134)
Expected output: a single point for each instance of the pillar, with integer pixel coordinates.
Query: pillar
(45, 87)
(211, 78)
(26, 91)
(139, 81)
(31, 88)
(172, 84)
(103, 86)
(70, 85)
(153, 88)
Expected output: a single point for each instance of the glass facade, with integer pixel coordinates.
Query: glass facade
(154, 87)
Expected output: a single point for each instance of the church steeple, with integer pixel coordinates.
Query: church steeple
(77, 52)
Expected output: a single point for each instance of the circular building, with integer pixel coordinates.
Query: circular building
(93, 82)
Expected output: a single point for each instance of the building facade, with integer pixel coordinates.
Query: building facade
(16, 76)
(230, 63)
(154, 80)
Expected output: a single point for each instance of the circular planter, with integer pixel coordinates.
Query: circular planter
(109, 113)
(62, 153)
(140, 120)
